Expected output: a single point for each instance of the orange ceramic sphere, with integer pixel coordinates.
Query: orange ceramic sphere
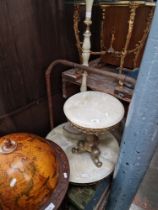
(28, 172)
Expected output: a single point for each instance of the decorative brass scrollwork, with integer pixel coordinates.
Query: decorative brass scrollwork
(124, 52)
(140, 44)
(110, 50)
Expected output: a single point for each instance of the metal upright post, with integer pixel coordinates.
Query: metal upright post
(140, 136)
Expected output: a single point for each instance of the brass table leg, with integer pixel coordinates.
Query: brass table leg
(89, 145)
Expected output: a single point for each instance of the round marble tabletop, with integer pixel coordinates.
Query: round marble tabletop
(82, 168)
(93, 110)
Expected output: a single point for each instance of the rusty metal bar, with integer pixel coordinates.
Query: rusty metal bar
(89, 69)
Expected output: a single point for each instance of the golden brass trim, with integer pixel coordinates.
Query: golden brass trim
(91, 143)
(92, 131)
(140, 44)
(76, 18)
(123, 53)
(126, 3)
(117, 3)
(131, 20)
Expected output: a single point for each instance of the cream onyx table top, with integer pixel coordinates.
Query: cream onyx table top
(82, 168)
(93, 110)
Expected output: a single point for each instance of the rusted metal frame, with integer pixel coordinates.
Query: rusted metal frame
(50, 70)
(120, 93)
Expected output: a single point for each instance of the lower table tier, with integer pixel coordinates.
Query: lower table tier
(82, 168)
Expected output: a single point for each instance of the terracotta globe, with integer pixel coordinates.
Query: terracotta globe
(28, 172)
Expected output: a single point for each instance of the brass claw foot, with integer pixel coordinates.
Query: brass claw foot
(75, 150)
(80, 147)
(95, 156)
(89, 145)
